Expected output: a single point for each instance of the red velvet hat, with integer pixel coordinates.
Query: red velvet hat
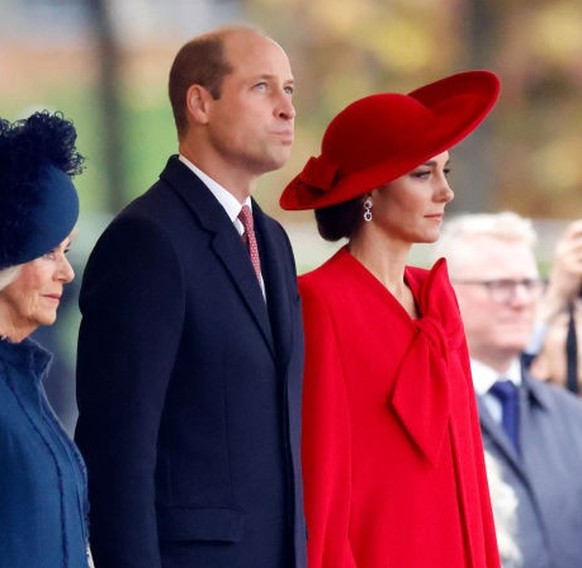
(383, 136)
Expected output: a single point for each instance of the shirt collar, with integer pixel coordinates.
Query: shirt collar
(228, 201)
(484, 376)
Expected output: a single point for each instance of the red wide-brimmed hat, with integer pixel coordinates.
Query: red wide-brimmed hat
(383, 136)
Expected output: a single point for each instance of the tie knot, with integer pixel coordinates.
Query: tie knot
(246, 218)
(504, 389)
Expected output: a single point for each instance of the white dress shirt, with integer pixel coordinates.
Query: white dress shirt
(229, 202)
(483, 379)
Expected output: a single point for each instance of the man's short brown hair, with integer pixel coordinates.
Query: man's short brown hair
(201, 61)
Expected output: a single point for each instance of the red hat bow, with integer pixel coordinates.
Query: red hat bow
(381, 137)
(319, 173)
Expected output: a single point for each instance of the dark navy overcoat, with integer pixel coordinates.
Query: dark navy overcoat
(189, 387)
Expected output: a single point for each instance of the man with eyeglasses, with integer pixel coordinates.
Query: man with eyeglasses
(531, 429)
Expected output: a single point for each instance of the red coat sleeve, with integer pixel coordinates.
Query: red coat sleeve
(488, 523)
(490, 537)
(326, 440)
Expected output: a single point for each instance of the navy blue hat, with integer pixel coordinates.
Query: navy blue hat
(38, 201)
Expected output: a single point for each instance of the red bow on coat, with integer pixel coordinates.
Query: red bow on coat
(421, 396)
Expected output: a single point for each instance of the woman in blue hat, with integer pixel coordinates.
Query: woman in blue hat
(43, 496)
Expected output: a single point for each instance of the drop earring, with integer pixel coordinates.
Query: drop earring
(368, 210)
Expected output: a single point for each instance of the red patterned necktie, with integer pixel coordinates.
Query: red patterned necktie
(246, 218)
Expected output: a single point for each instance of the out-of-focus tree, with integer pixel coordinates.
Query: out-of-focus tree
(525, 157)
(110, 104)
(539, 53)
(344, 52)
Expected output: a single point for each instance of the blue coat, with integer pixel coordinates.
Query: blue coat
(547, 477)
(189, 387)
(43, 505)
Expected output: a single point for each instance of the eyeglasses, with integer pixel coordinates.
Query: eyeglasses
(504, 289)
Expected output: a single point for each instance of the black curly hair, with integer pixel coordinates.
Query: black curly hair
(31, 143)
(27, 147)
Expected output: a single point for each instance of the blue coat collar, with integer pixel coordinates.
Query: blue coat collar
(28, 356)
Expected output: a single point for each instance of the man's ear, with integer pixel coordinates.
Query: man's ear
(197, 103)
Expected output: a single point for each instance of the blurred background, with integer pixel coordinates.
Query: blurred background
(104, 63)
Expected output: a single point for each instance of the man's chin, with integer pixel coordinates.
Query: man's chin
(516, 347)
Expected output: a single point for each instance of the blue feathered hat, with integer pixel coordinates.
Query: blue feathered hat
(39, 205)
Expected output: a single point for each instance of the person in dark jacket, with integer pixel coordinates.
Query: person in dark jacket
(190, 351)
(43, 496)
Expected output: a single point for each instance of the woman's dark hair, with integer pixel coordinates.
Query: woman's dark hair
(341, 220)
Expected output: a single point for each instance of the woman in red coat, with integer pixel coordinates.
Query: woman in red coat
(392, 456)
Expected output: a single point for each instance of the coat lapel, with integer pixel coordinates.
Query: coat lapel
(276, 286)
(497, 435)
(230, 249)
(225, 241)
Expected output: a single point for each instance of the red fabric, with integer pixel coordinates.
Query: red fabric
(249, 238)
(382, 136)
(392, 455)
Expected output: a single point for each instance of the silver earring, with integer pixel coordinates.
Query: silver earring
(368, 210)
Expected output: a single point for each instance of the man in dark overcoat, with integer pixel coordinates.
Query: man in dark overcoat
(190, 349)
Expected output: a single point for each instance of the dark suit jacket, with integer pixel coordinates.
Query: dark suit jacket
(189, 387)
(547, 477)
